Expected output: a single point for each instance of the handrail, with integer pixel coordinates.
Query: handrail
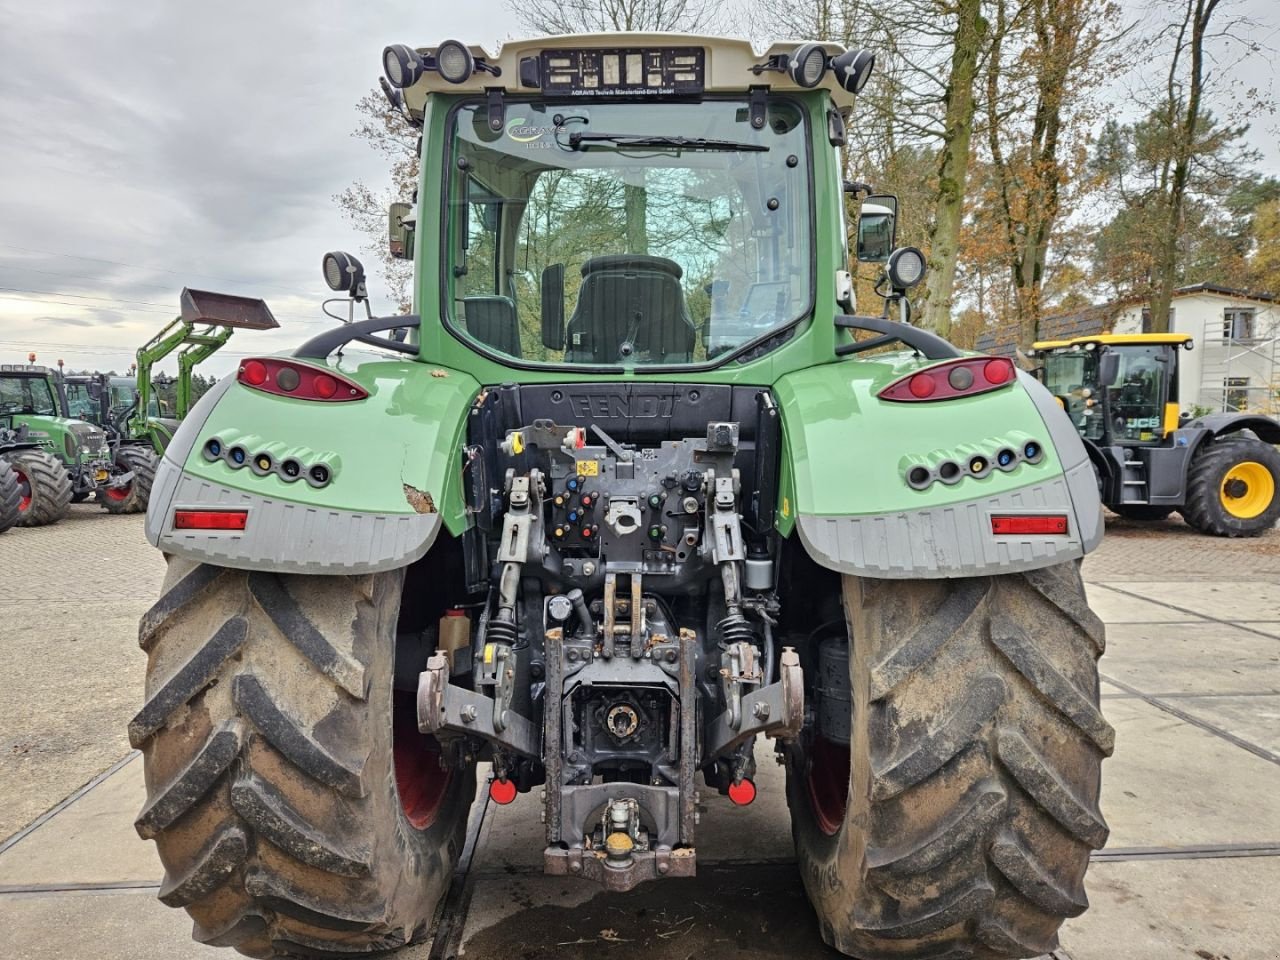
(323, 344)
(890, 331)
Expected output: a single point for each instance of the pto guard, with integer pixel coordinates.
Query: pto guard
(382, 509)
(856, 513)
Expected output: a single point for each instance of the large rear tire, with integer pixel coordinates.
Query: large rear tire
(295, 806)
(141, 461)
(45, 487)
(959, 821)
(1233, 488)
(10, 496)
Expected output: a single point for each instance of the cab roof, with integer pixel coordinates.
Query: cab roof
(24, 368)
(1117, 339)
(728, 64)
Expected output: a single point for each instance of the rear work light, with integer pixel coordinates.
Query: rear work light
(285, 378)
(955, 378)
(210, 519)
(1041, 525)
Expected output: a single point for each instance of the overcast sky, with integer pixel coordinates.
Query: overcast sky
(153, 145)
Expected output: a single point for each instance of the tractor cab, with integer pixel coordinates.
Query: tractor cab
(1116, 389)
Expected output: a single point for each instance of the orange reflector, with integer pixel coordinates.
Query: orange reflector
(210, 519)
(1055, 525)
(502, 791)
(742, 793)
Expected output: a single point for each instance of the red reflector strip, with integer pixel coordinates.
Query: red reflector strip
(210, 519)
(1044, 525)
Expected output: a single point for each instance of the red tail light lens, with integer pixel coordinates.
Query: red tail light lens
(285, 378)
(955, 378)
(210, 519)
(502, 792)
(742, 793)
(1050, 526)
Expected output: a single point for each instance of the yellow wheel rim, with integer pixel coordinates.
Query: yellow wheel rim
(1247, 490)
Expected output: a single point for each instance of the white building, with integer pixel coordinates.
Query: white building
(1236, 361)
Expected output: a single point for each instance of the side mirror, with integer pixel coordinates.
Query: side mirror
(95, 390)
(553, 307)
(1108, 369)
(877, 229)
(400, 230)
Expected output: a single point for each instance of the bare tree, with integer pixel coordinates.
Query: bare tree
(596, 16)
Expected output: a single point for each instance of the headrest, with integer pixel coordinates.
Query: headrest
(627, 262)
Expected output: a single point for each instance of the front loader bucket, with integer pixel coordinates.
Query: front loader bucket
(226, 310)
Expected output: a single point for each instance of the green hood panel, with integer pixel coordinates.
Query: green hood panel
(396, 452)
(849, 453)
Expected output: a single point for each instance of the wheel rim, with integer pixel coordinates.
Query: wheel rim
(420, 780)
(24, 491)
(828, 783)
(1247, 490)
(118, 493)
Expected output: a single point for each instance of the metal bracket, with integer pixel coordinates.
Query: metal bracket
(776, 710)
(445, 709)
(759, 106)
(497, 108)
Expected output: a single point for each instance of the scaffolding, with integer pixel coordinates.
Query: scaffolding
(1240, 373)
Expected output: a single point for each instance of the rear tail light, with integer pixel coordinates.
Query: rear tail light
(210, 519)
(284, 378)
(1037, 525)
(502, 792)
(955, 378)
(743, 792)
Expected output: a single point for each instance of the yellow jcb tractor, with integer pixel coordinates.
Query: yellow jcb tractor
(1220, 471)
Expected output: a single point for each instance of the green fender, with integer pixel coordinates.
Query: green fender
(849, 458)
(393, 460)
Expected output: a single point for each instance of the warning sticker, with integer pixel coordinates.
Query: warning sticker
(588, 468)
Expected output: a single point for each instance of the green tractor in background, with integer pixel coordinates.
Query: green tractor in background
(635, 488)
(55, 457)
(108, 402)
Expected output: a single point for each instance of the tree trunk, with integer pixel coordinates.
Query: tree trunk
(1183, 135)
(953, 169)
(636, 203)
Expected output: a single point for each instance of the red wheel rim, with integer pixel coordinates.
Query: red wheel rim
(828, 783)
(420, 780)
(118, 493)
(24, 487)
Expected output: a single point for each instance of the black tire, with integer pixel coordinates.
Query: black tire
(10, 496)
(272, 769)
(1207, 487)
(973, 775)
(45, 487)
(133, 498)
(1141, 512)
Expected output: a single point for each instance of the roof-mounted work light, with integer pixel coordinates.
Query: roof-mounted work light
(853, 69)
(807, 64)
(403, 65)
(454, 61)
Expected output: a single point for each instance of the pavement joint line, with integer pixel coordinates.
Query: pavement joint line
(44, 889)
(1200, 851)
(1186, 695)
(67, 801)
(1238, 624)
(446, 939)
(1205, 725)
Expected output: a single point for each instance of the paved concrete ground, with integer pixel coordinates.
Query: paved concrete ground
(1192, 794)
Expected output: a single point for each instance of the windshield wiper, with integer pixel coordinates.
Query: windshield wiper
(577, 141)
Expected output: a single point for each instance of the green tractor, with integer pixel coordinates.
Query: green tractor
(634, 489)
(70, 458)
(107, 402)
(1220, 471)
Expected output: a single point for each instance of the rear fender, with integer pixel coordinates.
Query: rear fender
(1220, 424)
(848, 454)
(393, 458)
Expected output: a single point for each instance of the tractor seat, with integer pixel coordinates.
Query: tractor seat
(630, 305)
